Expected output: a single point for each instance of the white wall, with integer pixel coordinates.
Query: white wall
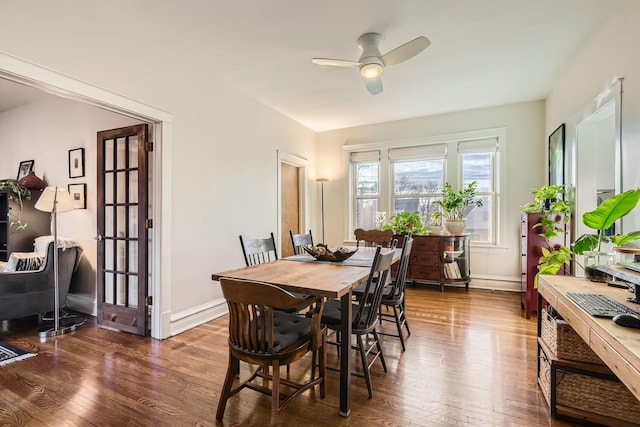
(223, 169)
(525, 146)
(609, 54)
(45, 131)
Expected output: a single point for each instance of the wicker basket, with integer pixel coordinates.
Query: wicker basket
(564, 342)
(597, 395)
(544, 377)
(584, 392)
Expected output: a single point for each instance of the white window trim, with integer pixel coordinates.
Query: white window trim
(451, 172)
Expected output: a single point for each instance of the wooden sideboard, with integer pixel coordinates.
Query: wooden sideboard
(439, 259)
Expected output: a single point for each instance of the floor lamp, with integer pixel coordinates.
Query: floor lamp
(54, 200)
(322, 181)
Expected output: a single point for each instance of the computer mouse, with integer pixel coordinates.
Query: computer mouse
(627, 319)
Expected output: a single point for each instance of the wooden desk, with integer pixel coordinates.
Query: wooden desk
(331, 280)
(617, 346)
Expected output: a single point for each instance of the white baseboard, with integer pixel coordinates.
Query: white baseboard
(499, 284)
(191, 318)
(82, 304)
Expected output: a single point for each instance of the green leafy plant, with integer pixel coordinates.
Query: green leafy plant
(552, 202)
(599, 219)
(549, 198)
(603, 217)
(435, 219)
(405, 222)
(17, 194)
(456, 204)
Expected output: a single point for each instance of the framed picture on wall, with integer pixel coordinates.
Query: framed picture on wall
(78, 193)
(76, 163)
(556, 156)
(25, 167)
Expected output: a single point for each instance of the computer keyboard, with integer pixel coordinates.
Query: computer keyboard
(599, 305)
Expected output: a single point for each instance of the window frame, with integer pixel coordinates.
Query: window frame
(366, 156)
(453, 174)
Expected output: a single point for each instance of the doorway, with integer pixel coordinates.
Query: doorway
(291, 199)
(290, 208)
(25, 73)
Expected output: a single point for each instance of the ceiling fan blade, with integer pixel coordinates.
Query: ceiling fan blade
(335, 62)
(374, 85)
(406, 51)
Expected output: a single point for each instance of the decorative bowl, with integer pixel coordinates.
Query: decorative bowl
(323, 253)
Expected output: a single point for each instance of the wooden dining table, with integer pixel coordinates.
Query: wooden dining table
(327, 279)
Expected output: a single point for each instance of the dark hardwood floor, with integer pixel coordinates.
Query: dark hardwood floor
(470, 360)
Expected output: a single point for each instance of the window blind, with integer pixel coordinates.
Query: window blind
(421, 151)
(489, 145)
(365, 156)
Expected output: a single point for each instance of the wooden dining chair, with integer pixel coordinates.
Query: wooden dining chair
(373, 238)
(298, 241)
(365, 316)
(258, 251)
(261, 333)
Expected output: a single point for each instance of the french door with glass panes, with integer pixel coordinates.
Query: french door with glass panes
(122, 268)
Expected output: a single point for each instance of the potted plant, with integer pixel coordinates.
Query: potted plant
(435, 223)
(600, 219)
(17, 194)
(550, 208)
(405, 222)
(457, 204)
(548, 198)
(590, 245)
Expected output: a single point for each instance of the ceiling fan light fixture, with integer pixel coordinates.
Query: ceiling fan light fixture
(371, 71)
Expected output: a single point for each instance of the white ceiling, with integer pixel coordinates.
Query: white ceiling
(483, 53)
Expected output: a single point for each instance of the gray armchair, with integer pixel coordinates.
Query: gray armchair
(26, 293)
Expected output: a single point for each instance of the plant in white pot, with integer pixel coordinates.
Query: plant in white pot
(457, 204)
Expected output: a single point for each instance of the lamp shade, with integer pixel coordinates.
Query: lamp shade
(57, 196)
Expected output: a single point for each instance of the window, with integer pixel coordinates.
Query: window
(409, 179)
(418, 179)
(367, 186)
(477, 160)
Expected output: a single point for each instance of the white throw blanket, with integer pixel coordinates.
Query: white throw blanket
(42, 242)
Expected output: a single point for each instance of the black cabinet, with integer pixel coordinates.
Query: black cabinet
(14, 239)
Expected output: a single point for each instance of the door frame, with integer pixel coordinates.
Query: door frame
(160, 124)
(301, 164)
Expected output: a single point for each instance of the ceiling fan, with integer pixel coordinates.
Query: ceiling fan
(371, 62)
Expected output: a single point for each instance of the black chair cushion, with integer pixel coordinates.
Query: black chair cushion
(331, 315)
(287, 329)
